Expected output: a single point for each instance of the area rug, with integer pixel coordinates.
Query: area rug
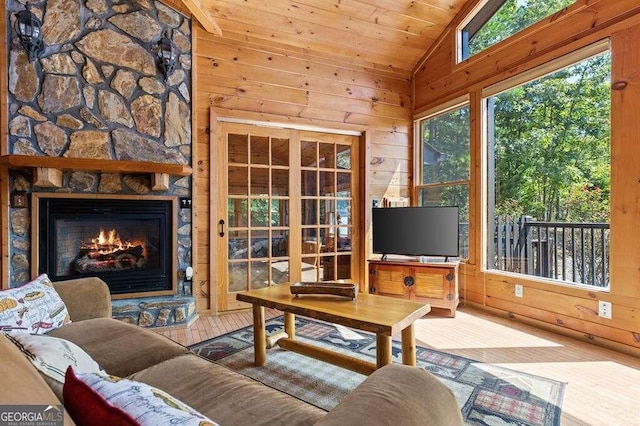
(487, 394)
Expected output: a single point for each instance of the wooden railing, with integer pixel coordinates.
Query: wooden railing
(570, 252)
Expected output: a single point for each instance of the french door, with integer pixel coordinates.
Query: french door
(286, 208)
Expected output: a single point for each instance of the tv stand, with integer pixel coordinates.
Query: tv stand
(433, 283)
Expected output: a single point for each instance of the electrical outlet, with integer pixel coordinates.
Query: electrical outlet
(604, 309)
(519, 290)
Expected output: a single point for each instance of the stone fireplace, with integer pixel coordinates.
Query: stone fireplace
(95, 94)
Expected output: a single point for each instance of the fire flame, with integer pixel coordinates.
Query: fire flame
(108, 242)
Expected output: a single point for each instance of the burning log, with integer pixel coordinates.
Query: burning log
(110, 254)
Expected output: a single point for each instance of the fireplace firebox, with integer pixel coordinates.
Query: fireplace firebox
(128, 243)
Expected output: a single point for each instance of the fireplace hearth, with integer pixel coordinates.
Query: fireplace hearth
(129, 243)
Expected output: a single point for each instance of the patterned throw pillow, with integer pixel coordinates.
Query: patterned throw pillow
(34, 308)
(52, 356)
(108, 400)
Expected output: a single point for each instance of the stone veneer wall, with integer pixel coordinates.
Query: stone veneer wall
(96, 92)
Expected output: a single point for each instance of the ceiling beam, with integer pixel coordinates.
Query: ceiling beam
(200, 13)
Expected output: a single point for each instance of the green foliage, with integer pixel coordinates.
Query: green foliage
(445, 141)
(513, 16)
(552, 138)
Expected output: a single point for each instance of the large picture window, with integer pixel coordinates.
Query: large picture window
(549, 161)
(444, 163)
(497, 20)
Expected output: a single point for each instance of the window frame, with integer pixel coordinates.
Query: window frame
(441, 109)
(478, 18)
(567, 60)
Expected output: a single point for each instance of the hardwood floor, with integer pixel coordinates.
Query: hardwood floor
(603, 386)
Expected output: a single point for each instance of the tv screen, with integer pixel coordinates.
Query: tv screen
(416, 231)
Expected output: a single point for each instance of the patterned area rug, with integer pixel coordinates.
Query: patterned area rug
(487, 394)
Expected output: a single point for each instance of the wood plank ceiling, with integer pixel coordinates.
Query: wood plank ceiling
(383, 35)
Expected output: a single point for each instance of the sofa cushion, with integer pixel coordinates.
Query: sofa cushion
(21, 382)
(51, 356)
(108, 400)
(120, 348)
(34, 308)
(226, 396)
(397, 394)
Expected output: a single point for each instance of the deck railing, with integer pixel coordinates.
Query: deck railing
(566, 251)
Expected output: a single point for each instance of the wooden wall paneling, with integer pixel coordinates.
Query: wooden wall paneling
(199, 199)
(234, 74)
(313, 34)
(216, 51)
(325, 21)
(625, 155)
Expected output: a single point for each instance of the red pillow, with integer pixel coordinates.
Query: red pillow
(86, 407)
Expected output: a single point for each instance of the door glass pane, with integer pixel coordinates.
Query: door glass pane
(327, 184)
(259, 244)
(237, 180)
(343, 271)
(279, 212)
(327, 211)
(259, 274)
(259, 212)
(308, 155)
(327, 156)
(343, 153)
(309, 212)
(280, 244)
(237, 209)
(279, 271)
(279, 182)
(328, 268)
(344, 184)
(259, 150)
(279, 152)
(238, 242)
(237, 148)
(309, 182)
(238, 276)
(259, 181)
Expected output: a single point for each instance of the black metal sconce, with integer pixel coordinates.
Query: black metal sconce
(29, 29)
(166, 55)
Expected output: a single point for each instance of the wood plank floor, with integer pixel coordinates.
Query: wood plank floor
(603, 386)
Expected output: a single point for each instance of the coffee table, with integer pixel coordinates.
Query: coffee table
(382, 315)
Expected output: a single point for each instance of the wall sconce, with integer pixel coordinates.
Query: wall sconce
(166, 55)
(29, 29)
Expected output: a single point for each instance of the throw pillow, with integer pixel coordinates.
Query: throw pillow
(51, 356)
(108, 400)
(34, 308)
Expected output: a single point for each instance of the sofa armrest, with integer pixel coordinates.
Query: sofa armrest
(397, 394)
(85, 298)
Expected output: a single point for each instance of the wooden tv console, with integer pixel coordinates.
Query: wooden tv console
(433, 283)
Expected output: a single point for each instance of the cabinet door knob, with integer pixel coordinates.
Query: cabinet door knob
(409, 281)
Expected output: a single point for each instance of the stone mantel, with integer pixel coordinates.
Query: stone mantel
(49, 169)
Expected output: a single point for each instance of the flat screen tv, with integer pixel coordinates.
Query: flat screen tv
(416, 231)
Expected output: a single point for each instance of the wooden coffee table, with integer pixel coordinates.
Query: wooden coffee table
(382, 315)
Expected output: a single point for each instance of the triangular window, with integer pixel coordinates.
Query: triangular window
(498, 20)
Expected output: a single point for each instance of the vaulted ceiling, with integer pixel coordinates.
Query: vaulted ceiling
(389, 35)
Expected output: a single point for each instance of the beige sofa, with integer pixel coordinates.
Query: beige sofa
(393, 395)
